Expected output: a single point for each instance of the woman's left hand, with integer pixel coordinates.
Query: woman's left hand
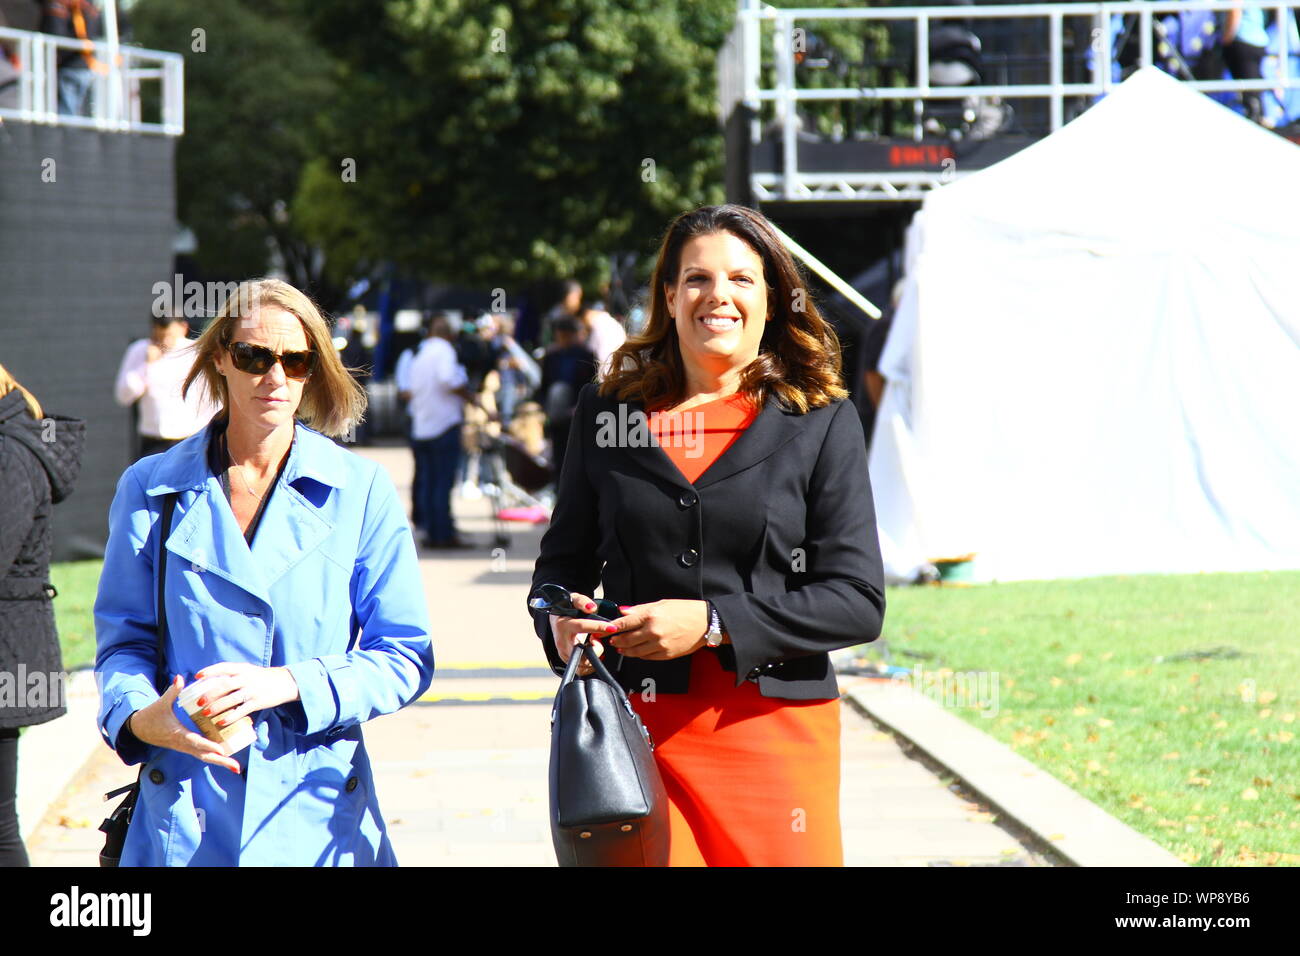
(241, 689)
(661, 630)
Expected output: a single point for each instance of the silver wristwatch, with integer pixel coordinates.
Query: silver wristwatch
(713, 636)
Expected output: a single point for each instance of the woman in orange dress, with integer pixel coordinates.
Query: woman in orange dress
(715, 485)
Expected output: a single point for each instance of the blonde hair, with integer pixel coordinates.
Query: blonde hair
(8, 383)
(332, 401)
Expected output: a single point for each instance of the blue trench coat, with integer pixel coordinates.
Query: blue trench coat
(331, 589)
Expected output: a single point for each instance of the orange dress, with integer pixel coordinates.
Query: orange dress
(751, 780)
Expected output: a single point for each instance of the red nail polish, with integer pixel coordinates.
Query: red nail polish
(625, 607)
(202, 701)
(611, 628)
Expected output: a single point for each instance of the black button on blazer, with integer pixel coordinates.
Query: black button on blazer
(779, 532)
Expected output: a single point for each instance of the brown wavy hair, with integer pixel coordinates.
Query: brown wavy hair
(332, 401)
(798, 360)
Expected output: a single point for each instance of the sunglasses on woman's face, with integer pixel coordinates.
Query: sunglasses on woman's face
(555, 599)
(257, 360)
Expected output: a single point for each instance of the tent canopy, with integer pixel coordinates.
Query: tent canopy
(1095, 366)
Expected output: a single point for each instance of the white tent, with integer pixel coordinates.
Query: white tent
(1095, 366)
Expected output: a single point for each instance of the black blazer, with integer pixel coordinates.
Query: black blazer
(779, 532)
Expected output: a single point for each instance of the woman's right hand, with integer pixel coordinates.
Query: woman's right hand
(158, 725)
(568, 631)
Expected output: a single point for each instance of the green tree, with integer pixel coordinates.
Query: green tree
(255, 87)
(496, 144)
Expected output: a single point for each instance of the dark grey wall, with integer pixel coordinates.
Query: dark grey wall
(78, 260)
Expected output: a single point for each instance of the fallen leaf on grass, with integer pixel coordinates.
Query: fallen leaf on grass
(1080, 711)
(1172, 755)
(1267, 696)
(1073, 659)
(1103, 722)
(1250, 793)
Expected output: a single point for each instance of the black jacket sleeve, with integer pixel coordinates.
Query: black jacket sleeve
(840, 598)
(568, 550)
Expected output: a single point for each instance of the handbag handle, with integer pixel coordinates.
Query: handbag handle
(599, 672)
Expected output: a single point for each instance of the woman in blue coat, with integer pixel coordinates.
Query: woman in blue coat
(291, 582)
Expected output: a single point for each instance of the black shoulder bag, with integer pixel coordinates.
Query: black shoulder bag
(118, 822)
(608, 804)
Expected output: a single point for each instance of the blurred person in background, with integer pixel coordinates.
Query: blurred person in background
(1245, 37)
(569, 307)
(604, 335)
(519, 373)
(359, 362)
(479, 354)
(439, 391)
(151, 375)
(81, 20)
(567, 366)
(40, 458)
(8, 75)
(402, 379)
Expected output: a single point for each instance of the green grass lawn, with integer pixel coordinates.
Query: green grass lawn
(76, 582)
(1198, 753)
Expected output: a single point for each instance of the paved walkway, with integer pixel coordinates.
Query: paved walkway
(462, 775)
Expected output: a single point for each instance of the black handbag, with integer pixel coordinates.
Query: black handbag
(118, 822)
(608, 804)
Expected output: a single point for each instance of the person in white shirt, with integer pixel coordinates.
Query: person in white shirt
(152, 373)
(604, 335)
(402, 379)
(439, 389)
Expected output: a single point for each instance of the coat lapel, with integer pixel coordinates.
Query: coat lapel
(772, 428)
(208, 537)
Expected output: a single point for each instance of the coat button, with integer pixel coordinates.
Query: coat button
(687, 499)
(351, 784)
(688, 558)
(155, 776)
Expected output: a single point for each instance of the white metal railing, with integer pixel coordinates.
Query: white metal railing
(115, 87)
(754, 18)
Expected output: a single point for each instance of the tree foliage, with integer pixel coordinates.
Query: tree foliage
(255, 86)
(500, 143)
